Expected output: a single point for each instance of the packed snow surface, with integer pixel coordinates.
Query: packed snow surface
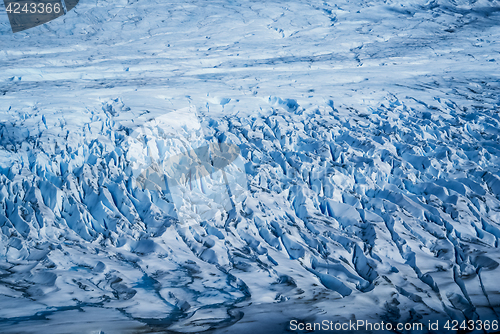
(228, 166)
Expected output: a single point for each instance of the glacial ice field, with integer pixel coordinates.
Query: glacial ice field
(227, 166)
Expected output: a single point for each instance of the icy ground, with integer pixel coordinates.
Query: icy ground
(367, 184)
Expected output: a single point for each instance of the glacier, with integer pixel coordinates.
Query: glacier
(228, 166)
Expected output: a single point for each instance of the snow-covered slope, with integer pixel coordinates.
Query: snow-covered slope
(360, 171)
